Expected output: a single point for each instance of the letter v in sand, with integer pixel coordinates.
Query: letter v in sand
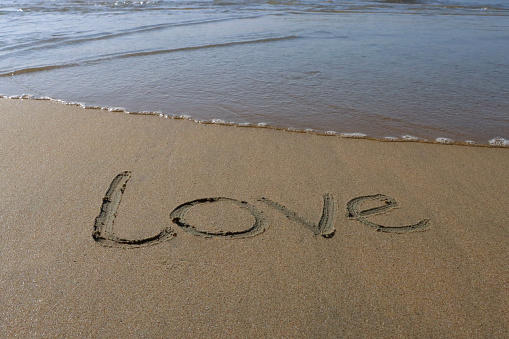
(325, 226)
(103, 227)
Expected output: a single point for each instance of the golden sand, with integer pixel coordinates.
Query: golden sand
(218, 231)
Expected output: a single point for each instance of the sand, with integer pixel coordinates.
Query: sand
(216, 231)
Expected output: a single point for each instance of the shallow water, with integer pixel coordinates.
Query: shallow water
(383, 68)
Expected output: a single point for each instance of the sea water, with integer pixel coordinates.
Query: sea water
(431, 69)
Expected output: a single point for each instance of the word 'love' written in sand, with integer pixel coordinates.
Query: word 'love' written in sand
(104, 235)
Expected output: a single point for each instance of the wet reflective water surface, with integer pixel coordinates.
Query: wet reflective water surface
(382, 68)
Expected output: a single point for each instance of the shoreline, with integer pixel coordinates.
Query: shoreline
(211, 231)
(497, 142)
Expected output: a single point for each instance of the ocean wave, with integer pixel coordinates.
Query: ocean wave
(73, 38)
(113, 56)
(119, 7)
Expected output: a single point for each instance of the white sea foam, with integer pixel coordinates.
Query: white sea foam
(116, 109)
(444, 140)
(71, 103)
(262, 124)
(410, 138)
(499, 141)
(470, 142)
(22, 96)
(331, 133)
(353, 135)
(293, 129)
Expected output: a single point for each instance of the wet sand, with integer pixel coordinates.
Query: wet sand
(262, 233)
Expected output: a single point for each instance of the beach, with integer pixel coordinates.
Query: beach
(123, 225)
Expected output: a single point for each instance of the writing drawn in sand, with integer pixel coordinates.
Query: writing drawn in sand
(104, 234)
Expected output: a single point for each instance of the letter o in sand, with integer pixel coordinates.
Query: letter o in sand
(179, 213)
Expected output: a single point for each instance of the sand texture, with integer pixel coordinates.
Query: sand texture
(117, 225)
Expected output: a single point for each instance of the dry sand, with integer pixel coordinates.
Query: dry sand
(449, 278)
